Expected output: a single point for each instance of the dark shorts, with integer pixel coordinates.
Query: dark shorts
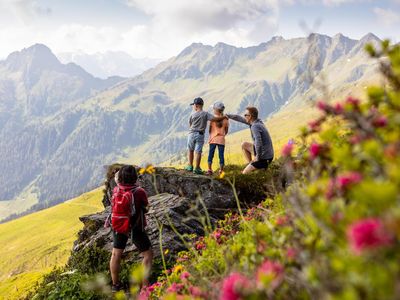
(262, 164)
(139, 238)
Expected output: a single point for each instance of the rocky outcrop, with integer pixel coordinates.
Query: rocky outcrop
(178, 199)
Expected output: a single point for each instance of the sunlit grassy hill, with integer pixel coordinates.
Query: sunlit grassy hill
(33, 245)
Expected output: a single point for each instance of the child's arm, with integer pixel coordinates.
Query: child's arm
(226, 127)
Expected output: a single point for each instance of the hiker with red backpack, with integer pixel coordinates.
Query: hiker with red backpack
(129, 203)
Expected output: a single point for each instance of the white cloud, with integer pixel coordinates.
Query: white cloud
(336, 2)
(203, 15)
(325, 2)
(386, 16)
(171, 26)
(25, 10)
(237, 21)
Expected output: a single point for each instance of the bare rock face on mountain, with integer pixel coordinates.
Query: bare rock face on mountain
(178, 201)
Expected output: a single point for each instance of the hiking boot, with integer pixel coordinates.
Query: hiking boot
(198, 171)
(116, 287)
(189, 168)
(209, 172)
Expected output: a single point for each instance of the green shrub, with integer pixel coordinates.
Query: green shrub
(90, 260)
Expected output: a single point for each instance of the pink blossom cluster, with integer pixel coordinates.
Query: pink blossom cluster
(367, 234)
(282, 220)
(175, 288)
(236, 285)
(316, 150)
(341, 184)
(200, 244)
(145, 292)
(233, 286)
(271, 270)
(336, 109)
(287, 150)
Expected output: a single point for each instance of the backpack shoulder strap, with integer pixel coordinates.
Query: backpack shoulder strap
(139, 214)
(133, 191)
(112, 198)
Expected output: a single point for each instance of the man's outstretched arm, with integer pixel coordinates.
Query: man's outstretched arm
(237, 118)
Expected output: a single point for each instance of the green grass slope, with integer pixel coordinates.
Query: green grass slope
(36, 243)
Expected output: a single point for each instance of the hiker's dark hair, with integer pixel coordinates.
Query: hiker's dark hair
(253, 111)
(111, 170)
(127, 175)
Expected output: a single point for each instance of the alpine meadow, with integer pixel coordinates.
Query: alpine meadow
(205, 150)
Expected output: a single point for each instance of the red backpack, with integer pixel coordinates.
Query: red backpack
(122, 208)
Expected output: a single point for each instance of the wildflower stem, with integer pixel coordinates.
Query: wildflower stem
(160, 229)
(232, 184)
(209, 226)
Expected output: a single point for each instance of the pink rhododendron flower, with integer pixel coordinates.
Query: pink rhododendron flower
(282, 220)
(314, 125)
(195, 291)
(315, 150)
(352, 101)
(175, 288)
(200, 245)
(233, 285)
(380, 121)
(291, 253)
(338, 109)
(144, 294)
(217, 234)
(356, 139)
(287, 150)
(367, 234)
(185, 275)
(153, 286)
(343, 181)
(272, 269)
(322, 105)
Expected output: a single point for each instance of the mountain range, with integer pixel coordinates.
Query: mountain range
(59, 125)
(110, 63)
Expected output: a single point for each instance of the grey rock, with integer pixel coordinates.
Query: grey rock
(178, 199)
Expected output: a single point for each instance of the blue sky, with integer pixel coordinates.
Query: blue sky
(162, 28)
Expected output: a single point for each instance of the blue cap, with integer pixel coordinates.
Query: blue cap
(197, 101)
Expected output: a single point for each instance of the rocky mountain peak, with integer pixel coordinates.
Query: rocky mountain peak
(221, 45)
(340, 38)
(370, 38)
(277, 39)
(192, 48)
(35, 57)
